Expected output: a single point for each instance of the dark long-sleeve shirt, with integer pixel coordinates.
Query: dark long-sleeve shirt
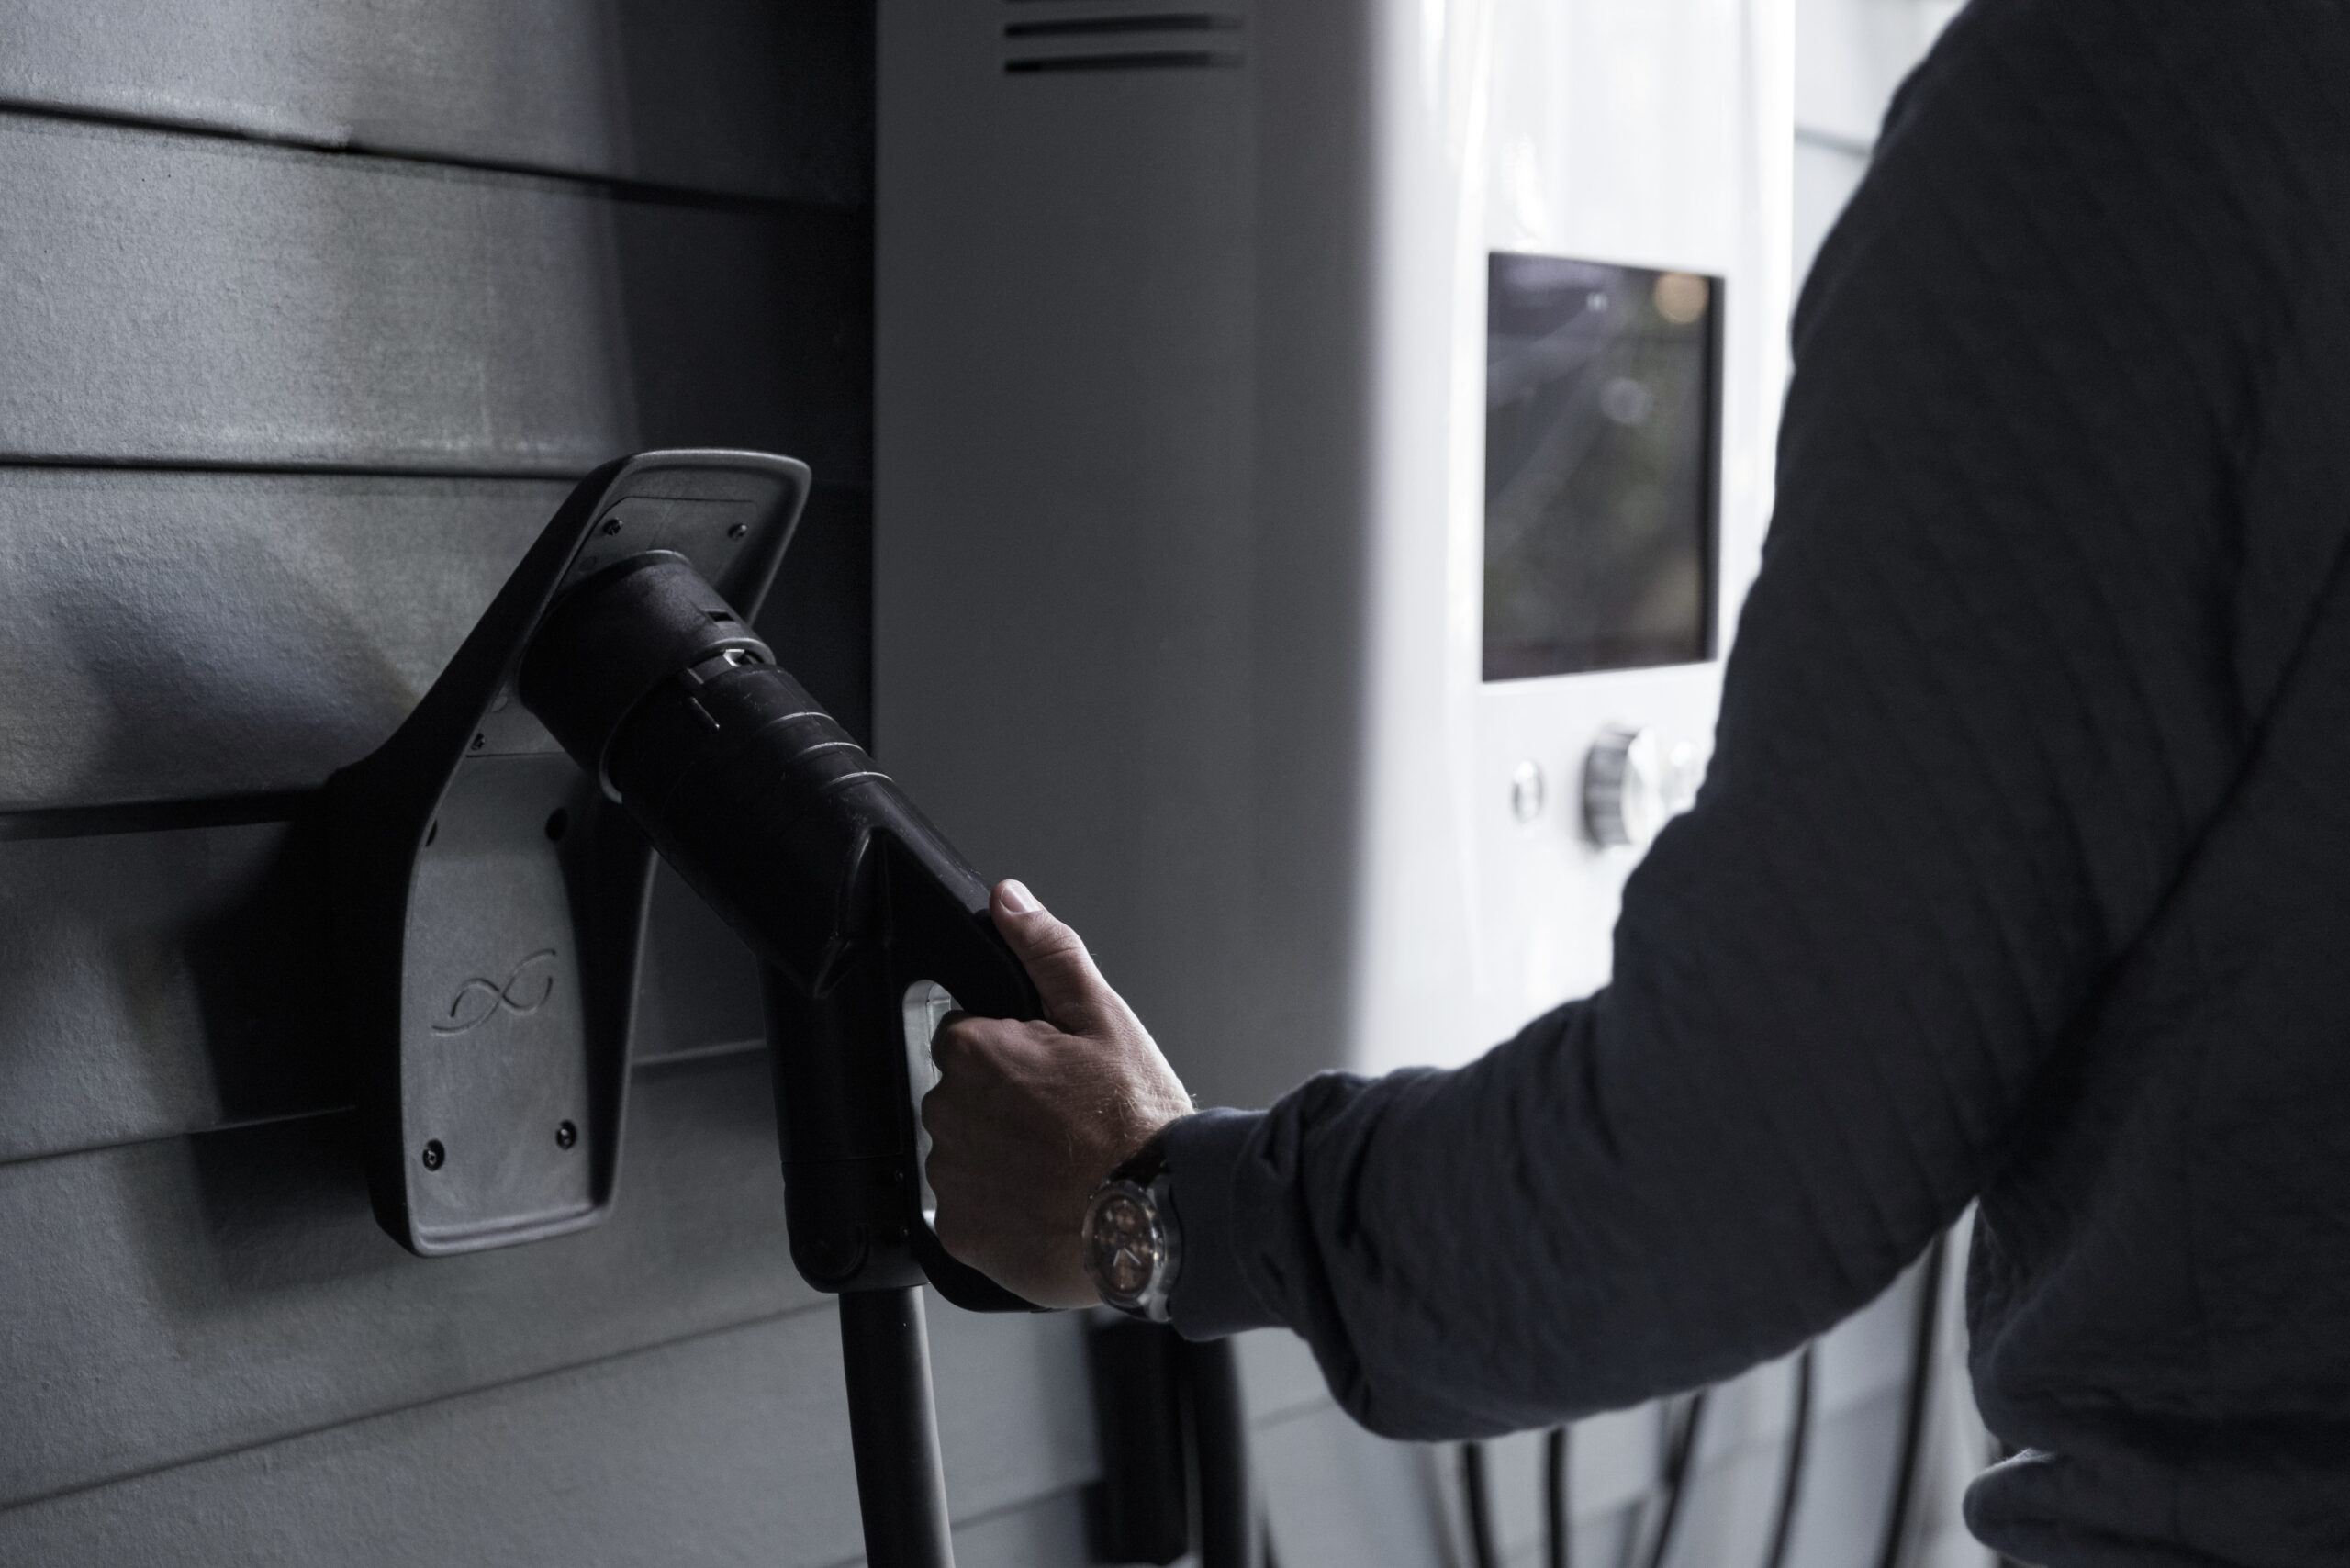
(2021, 872)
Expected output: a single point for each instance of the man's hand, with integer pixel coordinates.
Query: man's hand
(1028, 1118)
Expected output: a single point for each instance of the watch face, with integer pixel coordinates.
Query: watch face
(1120, 1244)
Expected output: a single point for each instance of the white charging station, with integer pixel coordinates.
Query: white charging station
(1321, 450)
(1211, 600)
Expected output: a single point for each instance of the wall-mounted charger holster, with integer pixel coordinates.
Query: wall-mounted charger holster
(491, 898)
(494, 859)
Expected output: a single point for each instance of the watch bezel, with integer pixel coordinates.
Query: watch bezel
(1151, 1303)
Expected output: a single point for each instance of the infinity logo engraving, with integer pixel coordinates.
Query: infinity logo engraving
(525, 991)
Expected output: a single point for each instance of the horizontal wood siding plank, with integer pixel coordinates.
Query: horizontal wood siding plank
(186, 634)
(1337, 1496)
(1047, 1533)
(155, 984)
(173, 1299)
(731, 95)
(168, 1300)
(175, 299)
(177, 633)
(1015, 1406)
(730, 1448)
(161, 982)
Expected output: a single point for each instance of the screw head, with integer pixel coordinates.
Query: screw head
(612, 525)
(738, 530)
(434, 1155)
(565, 1134)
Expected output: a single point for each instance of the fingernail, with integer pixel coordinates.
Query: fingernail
(1019, 900)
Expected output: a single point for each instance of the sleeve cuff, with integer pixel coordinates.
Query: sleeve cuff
(1212, 1296)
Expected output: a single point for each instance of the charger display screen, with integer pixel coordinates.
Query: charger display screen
(1602, 414)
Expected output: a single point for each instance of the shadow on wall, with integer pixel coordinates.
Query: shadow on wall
(260, 963)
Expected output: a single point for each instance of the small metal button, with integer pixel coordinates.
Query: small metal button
(1528, 790)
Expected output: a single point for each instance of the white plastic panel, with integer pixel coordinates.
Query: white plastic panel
(1649, 134)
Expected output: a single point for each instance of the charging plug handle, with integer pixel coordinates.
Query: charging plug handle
(781, 821)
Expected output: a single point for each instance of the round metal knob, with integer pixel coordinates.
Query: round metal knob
(1635, 782)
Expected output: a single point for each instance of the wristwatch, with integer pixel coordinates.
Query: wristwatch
(1133, 1246)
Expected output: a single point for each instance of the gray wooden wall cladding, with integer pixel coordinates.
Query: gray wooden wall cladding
(741, 96)
(233, 1288)
(310, 315)
(253, 632)
(178, 981)
(184, 635)
(175, 299)
(667, 1456)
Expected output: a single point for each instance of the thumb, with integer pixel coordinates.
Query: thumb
(1055, 957)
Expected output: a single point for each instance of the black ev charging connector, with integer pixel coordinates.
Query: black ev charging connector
(854, 903)
(494, 857)
(848, 896)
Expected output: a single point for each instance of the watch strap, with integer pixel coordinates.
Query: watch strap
(1145, 1165)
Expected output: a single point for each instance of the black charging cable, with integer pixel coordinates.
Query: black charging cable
(1680, 1460)
(1681, 1451)
(1477, 1507)
(1925, 1333)
(1228, 1536)
(1476, 1498)
(1557, 1516)
(1783, 1523)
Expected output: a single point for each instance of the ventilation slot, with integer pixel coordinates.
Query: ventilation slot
(1158, 41)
